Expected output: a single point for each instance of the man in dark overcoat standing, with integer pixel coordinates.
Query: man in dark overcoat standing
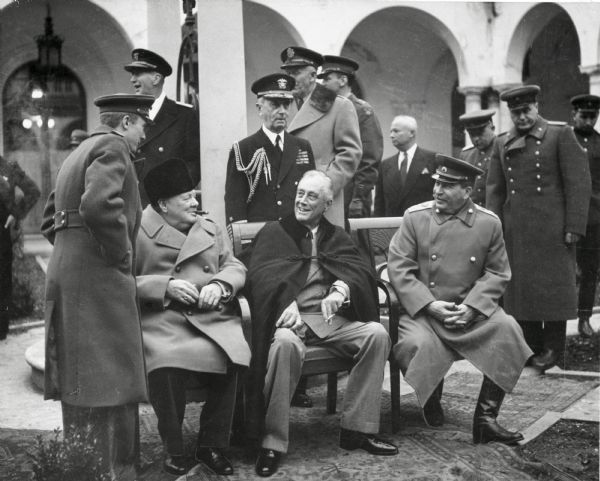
(94, 354)
(263, 169)
(175, 131)
(539, 185)
(449, 267)
(585, 116)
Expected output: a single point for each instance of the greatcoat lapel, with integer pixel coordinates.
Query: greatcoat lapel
(200, 237)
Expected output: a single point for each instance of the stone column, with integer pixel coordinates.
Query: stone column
(221, 95)
(472, 102)
(594, 73)
(493, 102)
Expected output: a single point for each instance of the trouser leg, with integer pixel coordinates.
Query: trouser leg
(284, 365)
(534, 334)
(167, 396)
(216, 418)
(6, 259)
(555, 336)
(588, 260)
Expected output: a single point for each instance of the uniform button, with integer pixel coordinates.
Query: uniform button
(478, 190)
(161, 149)
(537, 152)
(539, 189)
(537, 165)
(538, 176)
(510, 169)
(507, 157)
(178, 268)
(472, 259)
(433, 257)
(512, 192)
(511, 180)
(479, 164)
(585, 149)
(279, 218)
(539, 142)
(279, 202)
(585, 140)
(296, 183)
(432, 284)
(189, 313)
(470, 211)
(479, 177)
(206, 268)
(278, 186)
(539, 128)
(437, 211)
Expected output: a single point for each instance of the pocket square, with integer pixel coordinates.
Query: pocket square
(302, 157)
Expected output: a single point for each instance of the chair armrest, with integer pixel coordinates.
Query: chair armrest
(244, 313)
(394, 308)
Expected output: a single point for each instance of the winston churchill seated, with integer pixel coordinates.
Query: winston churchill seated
(186, 275)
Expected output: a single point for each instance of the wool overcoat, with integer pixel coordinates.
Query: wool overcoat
(539, 185)
(272, 199)
(591, 145)
(175, 335)
(457, 258)
(94, 353)
(481, 159)
(329, 122)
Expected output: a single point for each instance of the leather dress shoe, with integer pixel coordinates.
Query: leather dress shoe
(175, 465)
(372, 444)
(301, 400)
(545, 360)
(267, 462)
(433, 412)
(584, 328)
(215, 460)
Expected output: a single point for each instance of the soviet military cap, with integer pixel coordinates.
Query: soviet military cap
(274, 86)
(147, 60)
(519, 97)
(476, 119)
(452, 171)
(167, 180)
(78, 136)
(586, 103)
(300, 57)
(126, 103)
(337, 64)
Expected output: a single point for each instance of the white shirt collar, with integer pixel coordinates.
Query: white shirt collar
(156, 105)
(273, 136)
(410, 153)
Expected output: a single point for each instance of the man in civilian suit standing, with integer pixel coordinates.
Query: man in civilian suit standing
(405, 179)
(175, 130)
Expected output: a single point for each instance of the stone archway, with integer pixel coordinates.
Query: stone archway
(266, 34)
(545, 50)
(410, 64)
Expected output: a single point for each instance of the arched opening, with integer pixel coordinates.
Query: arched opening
(410, 70)
(37, 123)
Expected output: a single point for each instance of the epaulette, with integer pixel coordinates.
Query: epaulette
(556, 122)
(487, 211)
(465, 148)
(421, 206)
(183, 104)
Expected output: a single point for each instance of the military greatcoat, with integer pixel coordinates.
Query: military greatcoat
(182, 336)
(94, 353)
(457, 258)
(329, 122)
(481, 159)
(539, 185)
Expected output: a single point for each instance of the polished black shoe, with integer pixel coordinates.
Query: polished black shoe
(584, 328)
(545, 360)
(267, 462)
(372, 444)
(488, 430)
(215, 460)
(175, 465)
(301, 400)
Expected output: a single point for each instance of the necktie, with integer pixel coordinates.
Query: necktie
(403, 169)
(278, 144)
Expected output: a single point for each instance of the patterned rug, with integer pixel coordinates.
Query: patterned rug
(444, 454)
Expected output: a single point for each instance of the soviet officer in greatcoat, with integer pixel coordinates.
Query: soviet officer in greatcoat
(448, 264)
(12, 211)
(539, 185)
(175, 131)
(481, 130)
(94, 353)
(585, 116)
(263, 170)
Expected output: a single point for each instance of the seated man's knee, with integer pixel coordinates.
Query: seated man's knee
(286, 340)
(377, 333)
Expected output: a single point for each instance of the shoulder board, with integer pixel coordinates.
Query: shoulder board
(183, 104)
(487, 211)
(422, 206)
(468, 148)
(556, 122)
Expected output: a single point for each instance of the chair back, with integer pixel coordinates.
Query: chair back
(379, 232)
(242, 234)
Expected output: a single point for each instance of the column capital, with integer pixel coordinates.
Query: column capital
(502, 87)
(590, 69)
(471, 90)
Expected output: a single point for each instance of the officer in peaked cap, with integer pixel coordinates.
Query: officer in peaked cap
(451, 170)
(539, 184)
(336, 74)
(147, 60)
(585, 115)
(481, 130)
(302, 64)
(176, 130)
(300, 57)
(264, 168)
(92, 218)
(77, 136)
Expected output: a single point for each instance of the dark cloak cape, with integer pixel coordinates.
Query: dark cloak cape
(277, 272)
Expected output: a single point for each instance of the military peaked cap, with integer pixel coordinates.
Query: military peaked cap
(167, 180)
(300, 57)
(452, 171)
(337, 64)
(147, 60)
(520, 96)
(476, 119)
(274, 86)
(78, 136)
(127, 103)
(586, 103)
